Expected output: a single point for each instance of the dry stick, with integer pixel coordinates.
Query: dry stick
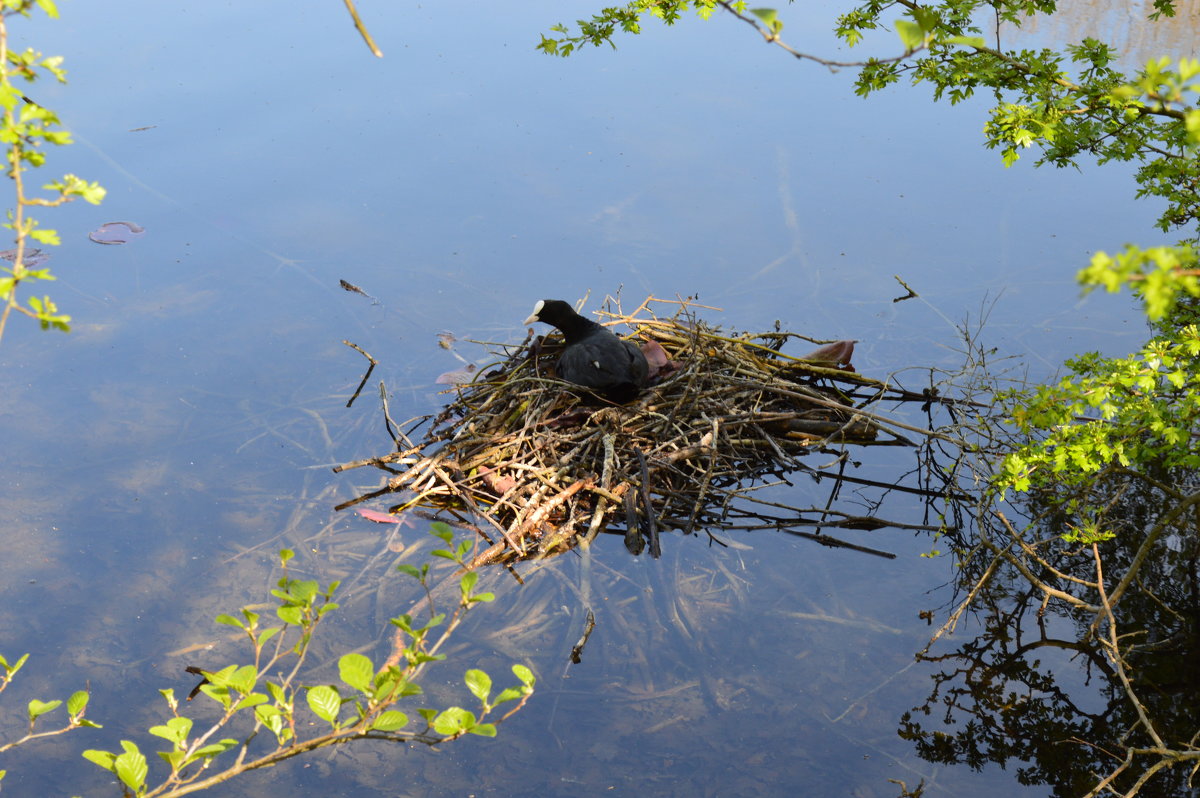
(551, 504)
(1027, 572)
(952, 622)
(577, 649)
(1113, 645)
(366, 376)
(836, 543)
(704, 483)
(362, 30)
(388, 424)
(644, 489)
(379, 462)
(873, 416)
(605, 482)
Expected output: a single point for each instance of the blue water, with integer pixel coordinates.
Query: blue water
(159, 454)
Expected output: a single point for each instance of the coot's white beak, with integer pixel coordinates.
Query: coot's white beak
(536, 310)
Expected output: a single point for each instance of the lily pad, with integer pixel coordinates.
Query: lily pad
(117, 233)
(33, 257)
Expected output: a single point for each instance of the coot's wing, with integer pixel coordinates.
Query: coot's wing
(602, 362)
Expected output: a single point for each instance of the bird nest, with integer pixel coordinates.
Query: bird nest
(536, 466)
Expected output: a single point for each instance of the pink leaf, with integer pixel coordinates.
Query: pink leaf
(660, 363)
(838, 352)
(378, 517)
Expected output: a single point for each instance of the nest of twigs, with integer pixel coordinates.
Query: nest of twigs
(537, 466)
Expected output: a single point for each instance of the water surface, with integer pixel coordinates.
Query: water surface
(159, 454)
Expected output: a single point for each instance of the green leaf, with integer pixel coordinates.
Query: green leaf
(11, 670)
(277, 694)
(325, 702)
(966, 41)
(211, 750)
(357, 671)
(484, 729)
(251, 700)
(524, 674)
(454, 720)
(910, 34)
(175, 730)
(768, 16)
(411, 570)
(508, 694)
(104, 759)
(243, 679)
(48, 237)
(479, 683)
(1192, 120)
(468, 581)
(176, 759)
(442, 530)
(130, 767)
(229, 620)
(39, 708)
(218, 694)
(391, 720)
(77, 703)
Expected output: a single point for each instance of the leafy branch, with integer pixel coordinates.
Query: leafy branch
(1099, 112)
(363, 705)
(25, 128)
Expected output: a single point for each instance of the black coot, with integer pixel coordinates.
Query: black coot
(593, 357)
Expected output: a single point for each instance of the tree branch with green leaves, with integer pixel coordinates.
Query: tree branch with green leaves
(26, 128)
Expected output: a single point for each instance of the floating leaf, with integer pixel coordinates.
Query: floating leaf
(378, 517)
(460, 376)
(117, 233)
(33, 257)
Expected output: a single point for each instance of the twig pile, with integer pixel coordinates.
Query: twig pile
(544, 466)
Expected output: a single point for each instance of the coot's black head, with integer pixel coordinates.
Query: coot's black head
(559, 314)
(593, 357)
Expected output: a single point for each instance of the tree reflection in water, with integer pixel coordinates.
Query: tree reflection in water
(1085, 669)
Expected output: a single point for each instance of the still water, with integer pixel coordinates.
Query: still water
(157, 456)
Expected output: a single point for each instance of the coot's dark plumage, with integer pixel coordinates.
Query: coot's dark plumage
(593, 357)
